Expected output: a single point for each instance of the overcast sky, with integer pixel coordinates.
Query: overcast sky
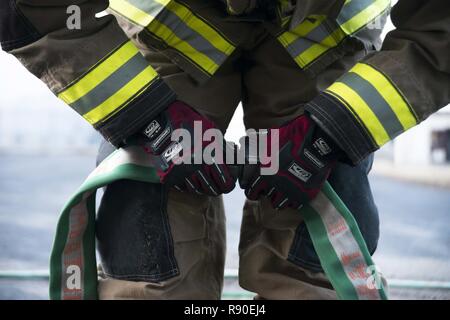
(17, 85)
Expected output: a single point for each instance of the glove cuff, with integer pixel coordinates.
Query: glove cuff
(323, 143)
(123, 127)
(319, 150)
(337, 121)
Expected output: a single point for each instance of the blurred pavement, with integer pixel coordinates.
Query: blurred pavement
(433, 175)
(415, 238)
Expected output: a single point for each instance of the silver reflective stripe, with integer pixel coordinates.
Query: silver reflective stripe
(352, 8)
(111, 85)
(376, 103)
(195, 39)
(317, 35)
(180, 28)
(149, 6)
(355, 17)
(320, 33)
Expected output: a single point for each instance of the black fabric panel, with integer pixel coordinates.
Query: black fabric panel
(342, 126)
(138, 114)
(15, 30)
(134, 239)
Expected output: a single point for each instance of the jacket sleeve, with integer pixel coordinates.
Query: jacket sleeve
(394, 89)
(93, 67)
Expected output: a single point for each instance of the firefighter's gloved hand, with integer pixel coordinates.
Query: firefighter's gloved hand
(306, 157)
(174, 160)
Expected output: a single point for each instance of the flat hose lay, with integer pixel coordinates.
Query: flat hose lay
(336, 237)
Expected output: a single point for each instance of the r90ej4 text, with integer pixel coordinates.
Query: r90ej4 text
(232, 309)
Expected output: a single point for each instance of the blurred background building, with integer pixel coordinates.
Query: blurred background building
(425, 145)
(32, 119)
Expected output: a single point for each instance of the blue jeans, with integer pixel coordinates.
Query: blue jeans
(352, 186)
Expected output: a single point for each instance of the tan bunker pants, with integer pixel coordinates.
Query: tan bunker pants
(159, 244)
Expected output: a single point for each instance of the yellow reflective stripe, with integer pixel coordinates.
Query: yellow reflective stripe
(387, 90)
(99, 73)
(190, 35)
(365, 16)
(355, 23)
(185, 48)
(163, 2)
(358, 106)
(201, 27)
(301, 30)
(351, 26)
(122, 97)
(316, 50)
(132, 13)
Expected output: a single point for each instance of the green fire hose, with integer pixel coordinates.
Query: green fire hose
(336, 237)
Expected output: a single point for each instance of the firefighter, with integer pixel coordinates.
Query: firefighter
(315, 70)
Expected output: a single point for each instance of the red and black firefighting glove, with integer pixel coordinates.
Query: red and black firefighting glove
(174, 160)
(306, 157)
